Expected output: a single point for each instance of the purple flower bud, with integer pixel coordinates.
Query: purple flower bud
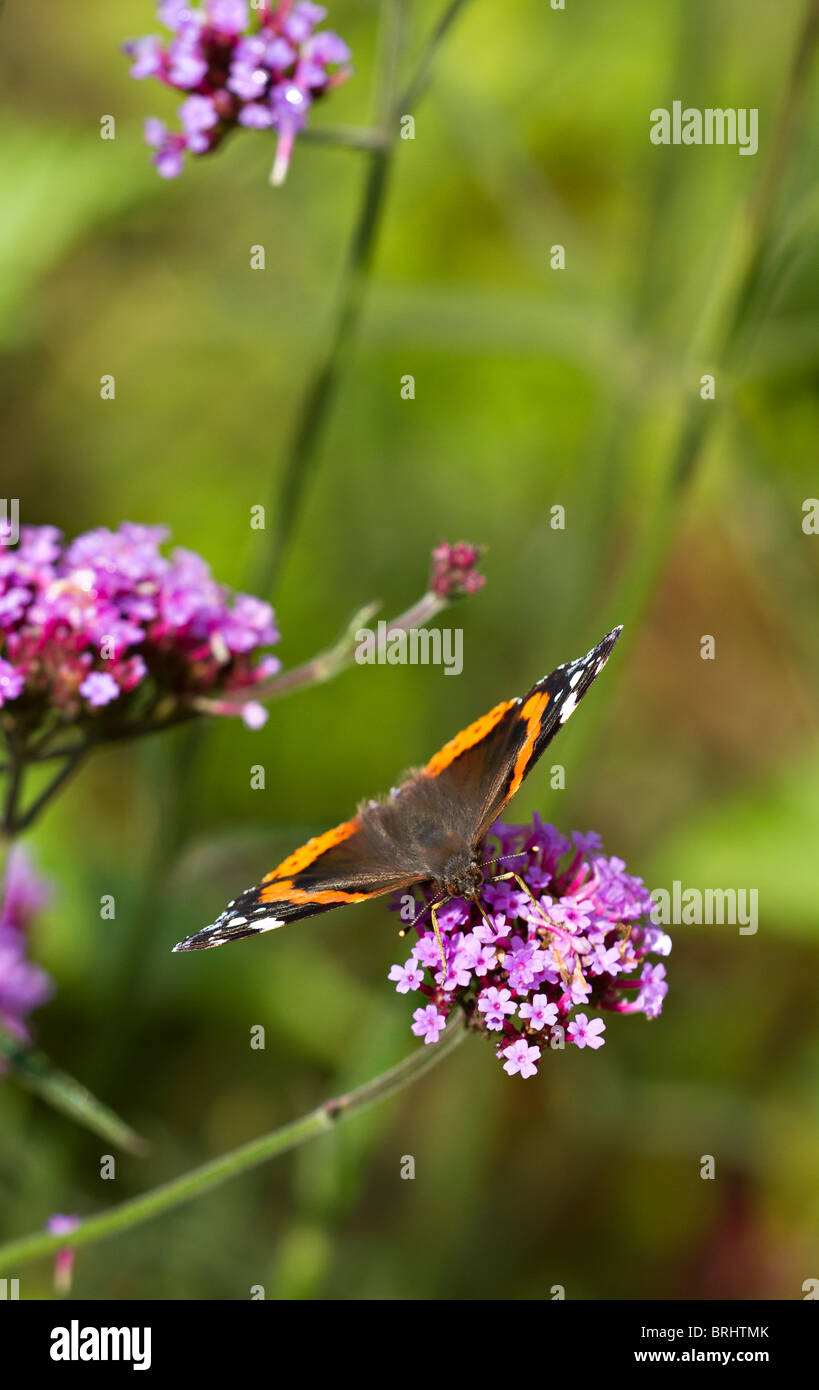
(302, 20)
(188, 65)
(198, 116)
(327, 48)
(147, 56)
(255, 116)
(254, 715)
(228, 17)
(454, 570)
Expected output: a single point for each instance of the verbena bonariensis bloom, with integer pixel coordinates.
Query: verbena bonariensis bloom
(107, 631)
(23, 986)
(261, 68)
(526, 964)
(454, 571)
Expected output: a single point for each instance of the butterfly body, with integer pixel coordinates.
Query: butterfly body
(428, 830)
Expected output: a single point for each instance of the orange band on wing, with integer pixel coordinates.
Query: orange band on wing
(467, 738)
(285, 891)
(307, 854)
(532, 712)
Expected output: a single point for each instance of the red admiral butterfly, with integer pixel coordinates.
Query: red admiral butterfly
(428, 829)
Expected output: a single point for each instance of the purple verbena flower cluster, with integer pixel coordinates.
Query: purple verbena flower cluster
(527, 967)
(107, 627)
(454, 570)
(260, 68)
(23, 986)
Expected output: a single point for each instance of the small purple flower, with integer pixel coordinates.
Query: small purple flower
(188, 65)
(481, 957)
(302, 20)
(653, 989)
(495, 1004)
(228, 17)
(540, 1013)
(147, 56)
(408, 976)
(586, 1034)
(198, 116)
(99, 688)
(521, 1058)
(256, 116)
(254, 715)
(170, 149)
(428, 1023)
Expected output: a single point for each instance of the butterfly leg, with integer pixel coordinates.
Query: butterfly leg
(434, 916)
(550, 926)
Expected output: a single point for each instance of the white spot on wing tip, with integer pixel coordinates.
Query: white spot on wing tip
(568, 707)
(268, 924)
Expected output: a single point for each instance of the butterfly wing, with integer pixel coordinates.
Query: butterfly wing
(347, 864)
(480, 770)
(393, 844)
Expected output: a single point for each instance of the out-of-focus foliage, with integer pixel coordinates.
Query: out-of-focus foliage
(534, 387)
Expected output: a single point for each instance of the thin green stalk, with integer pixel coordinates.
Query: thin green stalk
(26, 818)
(230, 1165)
(320, 396)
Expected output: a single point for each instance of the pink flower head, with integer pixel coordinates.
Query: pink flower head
(522, 964)
(102, 626)
(454, 570)
(244, 67)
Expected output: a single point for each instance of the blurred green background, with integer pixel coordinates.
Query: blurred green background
(533, 387)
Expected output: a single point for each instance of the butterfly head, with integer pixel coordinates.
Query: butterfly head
(462, 876)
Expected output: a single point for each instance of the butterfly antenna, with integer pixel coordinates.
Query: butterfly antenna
(416, 919)
(501, 858)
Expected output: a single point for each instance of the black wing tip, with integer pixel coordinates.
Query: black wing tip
(231, 927)
(201, 941)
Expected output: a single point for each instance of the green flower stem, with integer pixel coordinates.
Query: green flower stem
(230, 1165)
(351, 137)
(322, 389)
(327, 664)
